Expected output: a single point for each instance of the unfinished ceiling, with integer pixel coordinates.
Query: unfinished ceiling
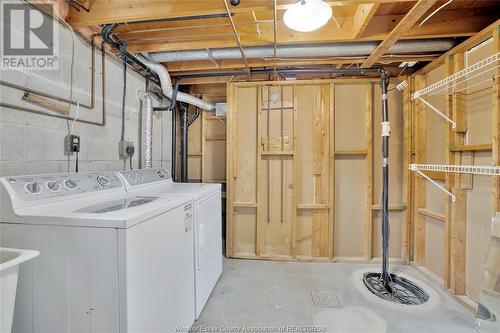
(158, 27)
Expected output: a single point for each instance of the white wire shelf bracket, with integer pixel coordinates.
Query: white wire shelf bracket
(442, 115)
(467, 169)
(484, 65)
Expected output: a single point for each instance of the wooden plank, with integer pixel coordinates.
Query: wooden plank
(277, 153)
(295, 183)
(105, 12)
(393, 208)
(420, 123)
(262, 214)
(427, 213)
(462, 148)
(245, 204)
(407, 187)
(417, 11)
(362, 18)
(331, 172)
(313, 206)
(458, 242)
(495, 193)
(229, 171)
(362, 152)
(368, 223)
(43, 102)
(215, 137)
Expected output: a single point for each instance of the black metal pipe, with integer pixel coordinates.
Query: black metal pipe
(194, 117)
(172, 107)
(122, 47)
(184, 140)
(384, 82)
(351, 71)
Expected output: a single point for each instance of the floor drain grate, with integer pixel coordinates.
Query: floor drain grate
(325, 298)
(403, 290)
(485, 314)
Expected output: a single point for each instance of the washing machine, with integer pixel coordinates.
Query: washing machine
(110, 261)
(207, 222)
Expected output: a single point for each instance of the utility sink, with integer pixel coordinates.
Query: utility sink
(10, 259)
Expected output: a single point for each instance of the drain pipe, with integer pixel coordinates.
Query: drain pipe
(147, 130)
(173, 109)
(166, 85)
(184, 142)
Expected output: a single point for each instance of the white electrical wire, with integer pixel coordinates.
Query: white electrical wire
(434, 12)
(73, 82)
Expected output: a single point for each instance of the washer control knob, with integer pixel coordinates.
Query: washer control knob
(161, 173)
(33, 187)
(132, 178)
(70, 184)
(53, 186)
(103, 181)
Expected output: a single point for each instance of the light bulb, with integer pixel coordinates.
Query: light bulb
(307, 15)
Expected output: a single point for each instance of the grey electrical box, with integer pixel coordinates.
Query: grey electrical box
(220, 109)
(71, 144)
(125, 149)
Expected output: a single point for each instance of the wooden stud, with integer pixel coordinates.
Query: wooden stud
(362, 17)
(331, 173)
(418, 10)
(495, 193)
(368, 223)
(420, 124)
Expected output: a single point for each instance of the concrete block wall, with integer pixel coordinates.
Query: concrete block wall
(34, 144)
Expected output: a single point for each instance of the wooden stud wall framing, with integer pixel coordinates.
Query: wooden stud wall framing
(464, 144)
(207, 139)
(300, 171)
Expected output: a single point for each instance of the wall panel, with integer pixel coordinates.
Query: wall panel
(300, 170)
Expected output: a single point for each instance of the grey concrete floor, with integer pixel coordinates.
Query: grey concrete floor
(266, 296)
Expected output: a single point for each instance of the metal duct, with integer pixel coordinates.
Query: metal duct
(147, 130)
(166, 85)
(306, 50)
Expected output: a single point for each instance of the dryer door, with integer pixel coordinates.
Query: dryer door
(208, 240)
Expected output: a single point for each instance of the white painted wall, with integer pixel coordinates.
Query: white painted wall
(34, 144)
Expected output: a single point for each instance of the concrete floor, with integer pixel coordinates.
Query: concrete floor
(265, 296)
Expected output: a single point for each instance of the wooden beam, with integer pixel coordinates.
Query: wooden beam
(420, 137)
(495, 193)
(462, 148)
(362, 18)
(427, 213)
(105, 11)
(418, 10)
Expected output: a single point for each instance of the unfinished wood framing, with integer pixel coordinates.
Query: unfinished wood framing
(466, 221)
(301, 176)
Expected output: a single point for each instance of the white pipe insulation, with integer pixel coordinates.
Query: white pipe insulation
(147, 130)
(166, 85)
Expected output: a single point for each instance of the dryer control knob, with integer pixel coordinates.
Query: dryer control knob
(53, 186)
(33, 187)
(103, 181)
(70, 184)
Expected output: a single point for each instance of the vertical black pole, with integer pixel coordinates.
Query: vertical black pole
(386, 132)
(184, 142)
(173, 107)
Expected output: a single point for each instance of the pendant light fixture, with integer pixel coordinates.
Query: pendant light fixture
(307, 15)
